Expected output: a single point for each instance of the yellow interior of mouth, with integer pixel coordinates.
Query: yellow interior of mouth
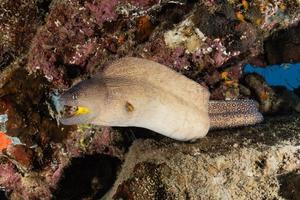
(82, 110)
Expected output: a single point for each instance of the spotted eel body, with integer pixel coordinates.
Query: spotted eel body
(142, 93)
(233, 113)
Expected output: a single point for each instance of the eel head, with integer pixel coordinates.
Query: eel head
(77, 105)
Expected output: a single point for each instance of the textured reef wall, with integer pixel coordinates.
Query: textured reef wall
(248, 163)
(46, 46)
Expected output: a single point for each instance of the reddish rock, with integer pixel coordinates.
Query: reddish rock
(9, 178)
(144, 3)
(21, 154)
(144, 28)
(104, 10)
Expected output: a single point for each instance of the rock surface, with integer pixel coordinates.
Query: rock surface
(261, 162)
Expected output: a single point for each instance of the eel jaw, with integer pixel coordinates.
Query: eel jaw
(78, 119)
(71, 113)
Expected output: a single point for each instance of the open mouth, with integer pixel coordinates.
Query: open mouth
(71, 115)
(71, 111)
(68, 111)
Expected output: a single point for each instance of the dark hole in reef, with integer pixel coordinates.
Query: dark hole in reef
(175, 11)
(297, 91)
(73, 71)
(261, 164)
(133, 133)
(145, 133)
(3, 195)
(283, 46)
(43, 8)
(191, 1)
(290, 186)
(5, 59)
(87, 177)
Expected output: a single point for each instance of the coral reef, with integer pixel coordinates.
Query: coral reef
(18, 23)
(78, 40)
(76, 36)
(48, 45)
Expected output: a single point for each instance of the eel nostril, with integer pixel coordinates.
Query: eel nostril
(75, 96)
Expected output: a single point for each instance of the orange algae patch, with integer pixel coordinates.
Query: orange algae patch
(4, 141)
(240, 16)
(245, 4)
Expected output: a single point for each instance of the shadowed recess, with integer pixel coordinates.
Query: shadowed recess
(290, 186)
(2, 195)
(88, 177)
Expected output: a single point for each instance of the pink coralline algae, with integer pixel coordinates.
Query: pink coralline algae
(180, 59)
(72, 37)
(54, 176)
(95, 140)
(214, 54)
(144, 3)
(173, 58)
(82, 52)
(67, 40)
(72, 43)
(103, 10)
(8, 176)
(51, 46)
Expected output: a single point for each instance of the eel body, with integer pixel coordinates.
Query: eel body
(233, 113)
(142, 93)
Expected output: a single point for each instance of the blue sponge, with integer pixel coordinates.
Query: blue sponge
(287, 75)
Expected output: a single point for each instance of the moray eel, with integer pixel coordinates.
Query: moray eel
(141, 93)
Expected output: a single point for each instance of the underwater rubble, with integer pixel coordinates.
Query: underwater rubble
(47, 46)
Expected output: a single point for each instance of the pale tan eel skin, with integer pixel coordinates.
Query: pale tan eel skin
(141, 93)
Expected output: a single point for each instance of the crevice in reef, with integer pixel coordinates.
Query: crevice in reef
(5, 59)
(24, 99)
(290, 185)
(2, 195)
(283, 46)
(43, 8)
(89, 176)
